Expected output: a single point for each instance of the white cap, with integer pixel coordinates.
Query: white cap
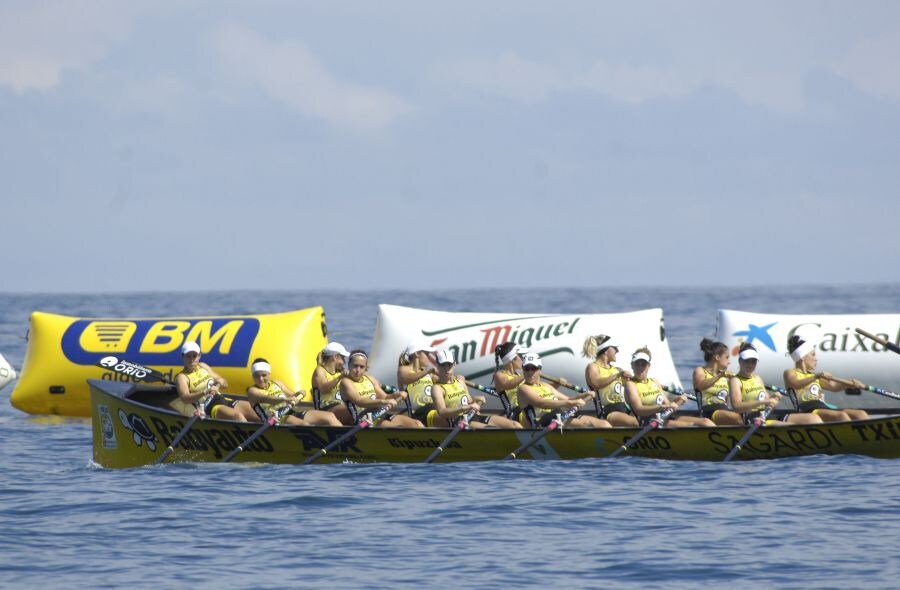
(190, 347)
(333, 348)
(260, 367)
(748, 353)
(609, 342)
(640, 356)
(532, 359)
(521, 350)
(445, 355)
(418, 346)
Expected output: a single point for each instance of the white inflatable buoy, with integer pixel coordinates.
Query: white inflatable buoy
(7, 373)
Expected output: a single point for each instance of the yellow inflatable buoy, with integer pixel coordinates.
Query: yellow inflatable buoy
(63, 352)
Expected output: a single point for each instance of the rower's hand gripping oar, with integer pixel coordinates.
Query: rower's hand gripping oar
(199, 414)
(461, 425)
(759, 421)
(585, 393)
(871, 388)
(556, 423)
(362, 424)
(888, 345)
(274, 419)
(501, 395)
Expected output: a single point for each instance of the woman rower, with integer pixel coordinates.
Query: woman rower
(508, 376)
(748, 395)
(197, 381)
(326, 381)
(452, 399)
(711, 384)
(361, 391)
(646, 398)
(806, 385)
(273, 395)
(608, 381)
(415, 374)
(545, 401)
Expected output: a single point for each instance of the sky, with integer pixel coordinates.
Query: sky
(200, 145)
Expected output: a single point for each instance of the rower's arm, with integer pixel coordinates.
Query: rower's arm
(595, 381)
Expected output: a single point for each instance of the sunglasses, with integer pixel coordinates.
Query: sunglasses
(530, 368)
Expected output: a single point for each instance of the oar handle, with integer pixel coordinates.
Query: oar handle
(679, 391)
(886, 343)
(567, 385)
(485, 389)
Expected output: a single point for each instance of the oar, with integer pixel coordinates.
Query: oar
(871, 388)
(199, 414)
(269, 423)
(461, 425)
(501, 395)
(760, 420)
(550, 428)
(578, 389)
(130, 369)
(653, 424)
(889, 345)
(362, 424)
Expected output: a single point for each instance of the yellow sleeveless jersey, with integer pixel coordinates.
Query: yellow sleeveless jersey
(650, 393)
(365, 388)
(512, 394)
(614, 392)
(717, 393)
(752, 389)
(811, 392)
(272, 392)
(198, 379)
(456, 394)
(544, 392)
(330, 398)
(420, 392)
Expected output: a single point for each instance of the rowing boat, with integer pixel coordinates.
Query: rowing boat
(134, 423)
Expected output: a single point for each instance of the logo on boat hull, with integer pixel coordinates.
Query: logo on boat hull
(107, 428)
(224, 342)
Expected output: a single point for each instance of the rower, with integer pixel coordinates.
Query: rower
(646, 397)
(748, 395)
(361, 391)
(711, 384)
(326, 381)
(452, 399)
(546, 402)
(806, 387)
(273, 395)
(415, 374)
(197, 381)
(608, 381)
(508, 376)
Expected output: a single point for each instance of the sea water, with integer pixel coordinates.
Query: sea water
(828, 522)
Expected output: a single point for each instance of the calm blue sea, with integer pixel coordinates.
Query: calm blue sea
(829, 522)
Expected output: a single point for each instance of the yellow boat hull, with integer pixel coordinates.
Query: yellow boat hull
(130, 429)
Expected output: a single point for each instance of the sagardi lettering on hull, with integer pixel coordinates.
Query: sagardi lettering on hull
(225, 342)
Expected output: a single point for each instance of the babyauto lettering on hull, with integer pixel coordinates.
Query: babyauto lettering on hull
(224, 342)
